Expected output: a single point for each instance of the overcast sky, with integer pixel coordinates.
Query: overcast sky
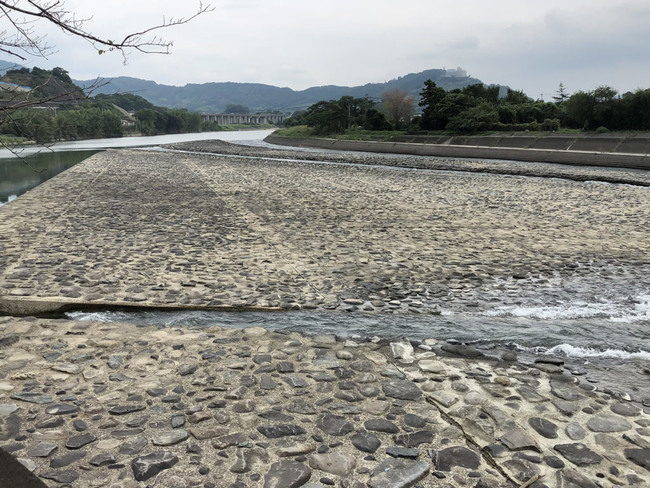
(532, 46)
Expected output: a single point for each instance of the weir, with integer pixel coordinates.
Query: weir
(218, 406)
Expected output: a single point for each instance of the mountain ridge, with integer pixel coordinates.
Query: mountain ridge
(212, 97)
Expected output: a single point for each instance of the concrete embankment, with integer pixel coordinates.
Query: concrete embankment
(615, 152)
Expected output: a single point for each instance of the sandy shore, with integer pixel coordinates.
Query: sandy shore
(91, 404)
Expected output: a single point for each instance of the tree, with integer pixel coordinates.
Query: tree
(430, 97)
(560, 95)
(399, 107)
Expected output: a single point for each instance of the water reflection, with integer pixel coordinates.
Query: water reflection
(26, 167)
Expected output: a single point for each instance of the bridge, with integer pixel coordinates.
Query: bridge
(225, 119)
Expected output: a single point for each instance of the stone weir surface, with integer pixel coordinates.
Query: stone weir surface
(90, 404)
(86, 404)
(144, 228)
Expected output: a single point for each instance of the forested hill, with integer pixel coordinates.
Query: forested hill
(213, 97)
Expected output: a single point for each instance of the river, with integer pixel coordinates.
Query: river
(25, 167)
(601, 328)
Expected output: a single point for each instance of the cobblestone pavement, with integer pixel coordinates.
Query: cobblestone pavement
(86, 404)
(161, 229)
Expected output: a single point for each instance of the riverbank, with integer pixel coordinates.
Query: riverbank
(87, 404)
(607, 151)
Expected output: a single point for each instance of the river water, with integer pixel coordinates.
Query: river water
(599, 323)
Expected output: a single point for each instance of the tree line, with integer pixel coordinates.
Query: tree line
(480, 108)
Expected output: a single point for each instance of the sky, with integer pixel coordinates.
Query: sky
(529, 46)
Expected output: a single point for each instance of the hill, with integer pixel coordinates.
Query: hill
(213, 97)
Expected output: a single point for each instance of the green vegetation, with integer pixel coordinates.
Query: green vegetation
(477, 109)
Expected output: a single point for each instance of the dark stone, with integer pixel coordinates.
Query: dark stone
(608, 423)
(133, 446)
(275, 416)
(403, 452)
(287, 474)
(79, 425)
(78, 441)
(122, 433)
(625, 409)
(568, 478)
(44, 449)
(554, 462)
(578, 454)
(334, 424)
(381, 425)
(32, 397)
(50, 423)
(156, 392)
(103, 459)
(462, 350)
(11, 427)
(447, 459)
(365, 441)
(64, 477)
(639, 456)
(285, 367)
(125, 409)
(398, 473)
(414, 439)
(543, 427)
(9, 340)
(414, 421)
(145, 467)
(402, 390)
(67, 459)
(281, 430)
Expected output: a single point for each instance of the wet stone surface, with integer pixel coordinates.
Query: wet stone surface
(205, 428)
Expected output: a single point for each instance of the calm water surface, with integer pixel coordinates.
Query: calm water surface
(29, 166)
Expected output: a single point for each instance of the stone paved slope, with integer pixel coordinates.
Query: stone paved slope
(180, 230)
(115, 405)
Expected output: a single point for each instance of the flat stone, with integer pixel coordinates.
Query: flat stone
(133, 446)
(414, 439)
(61, 409)
(229, 440)
(78, 441)
(67, 459)
(67, 368)
(42, 449)
(366, 442)
(103, 459)
(518, 439)
(444, 398)
(543, 427)
(625, 409)
(402, 390)
(462, 350)
(295, 450)
(146, 467)
(334, 424)
(531, 395)
(398, 473)
(334, 463)
(287, 474)
(32, 397)
(169, 438)
(280, 430)
(187, 369)
(66, 476)
(403, 452)
(432, 366)
(125, 409)
(575, 431)
(639, 456)
(414, 421)
(295, 381)
(447, 459)
(578, 454)
(608, 423)
(381, 425)
(569, 478)
(7, 409)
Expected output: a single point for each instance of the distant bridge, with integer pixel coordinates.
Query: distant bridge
(225, 119)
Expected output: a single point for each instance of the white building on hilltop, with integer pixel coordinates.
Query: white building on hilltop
(455, 73)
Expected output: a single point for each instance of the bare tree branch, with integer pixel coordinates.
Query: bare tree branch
(21, 14)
